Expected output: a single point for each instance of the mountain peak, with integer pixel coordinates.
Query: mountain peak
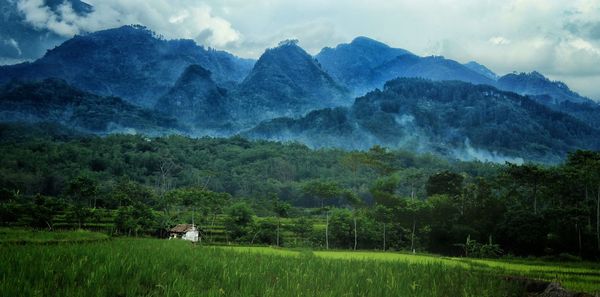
(536, 84)
(353, 63)
(366, 41)
(194, 72)
(481, 69)
(287, 81)
(195, 99)
(286, 55)
(537, 74)
(288, 42)
(289, 46)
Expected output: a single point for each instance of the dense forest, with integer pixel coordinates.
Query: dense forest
(374, 199)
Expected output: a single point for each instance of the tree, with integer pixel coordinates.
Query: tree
(133, 219)
(416, 209)
(342, 231)
(127, 192)
(443, 216)
(323, 191)
(238, 221)
(523, 233)
(353, 161)
(445, 183)
(586, 165)
(83, 191)
(281, 209)
(383, 214)
(302, 227)
(529, 175)
(44, 210)
(384, 191)
(355, 204)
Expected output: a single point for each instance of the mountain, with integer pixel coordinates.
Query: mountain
(366, 64)
(433, 67)
(54, 101)
(553, 94)
(285, 81)
(481, 69)
(352, 64)
(130, 62)
(195, 99)
(451, 118)
(535, 83)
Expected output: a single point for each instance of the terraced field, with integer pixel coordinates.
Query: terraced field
(579, 276)
(156, 267)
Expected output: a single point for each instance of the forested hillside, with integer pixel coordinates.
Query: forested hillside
(416, 201)
(454, 119)
(54, 101)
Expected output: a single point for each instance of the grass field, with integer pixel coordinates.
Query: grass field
(17, 235)
(577, 276)
(154, 267)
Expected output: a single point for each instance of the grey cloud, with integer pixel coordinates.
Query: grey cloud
(594, 32)
(170, 18)
(10, 47)
(589, 30)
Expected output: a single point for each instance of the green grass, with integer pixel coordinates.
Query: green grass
(22, 235)
(579, 276)
(153, 267)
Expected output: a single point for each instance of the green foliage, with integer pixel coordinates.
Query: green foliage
(134, 219)
(136, 185)
(445, 183)
(239, 221)
(475, 249)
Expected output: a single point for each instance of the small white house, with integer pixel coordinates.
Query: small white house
(185, 232)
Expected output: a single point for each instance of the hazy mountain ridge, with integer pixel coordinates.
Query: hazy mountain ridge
(451, 118)
(481, 69)
(285, 81)
(366, 64)
(291, 95)
(130, 62)
(53, 100)
(195, 99)
(353, 64)
(534, 83)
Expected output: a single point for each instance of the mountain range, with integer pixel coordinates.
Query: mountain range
(451, 118)
(129, 79)
(130, 62)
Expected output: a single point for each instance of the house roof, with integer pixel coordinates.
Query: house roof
(182, 228)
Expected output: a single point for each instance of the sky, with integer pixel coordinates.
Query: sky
(559, 38)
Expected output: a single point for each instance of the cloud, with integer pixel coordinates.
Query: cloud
(12, 45)
(170, 18)
(499, 40)
(312, 36)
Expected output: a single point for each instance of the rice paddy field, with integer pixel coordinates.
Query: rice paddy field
(155, 267)
(24, 236)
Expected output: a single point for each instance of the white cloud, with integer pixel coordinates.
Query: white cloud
(499, 40)
(170, 18)
(14, 45)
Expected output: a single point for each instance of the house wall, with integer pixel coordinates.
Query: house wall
(191, 235)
